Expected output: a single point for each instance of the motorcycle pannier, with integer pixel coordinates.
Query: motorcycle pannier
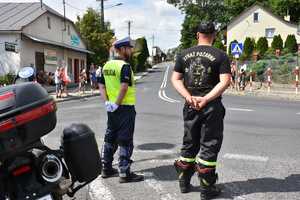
(81, 152)
(27, 113)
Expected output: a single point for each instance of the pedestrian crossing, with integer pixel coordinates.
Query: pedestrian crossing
(241, 177)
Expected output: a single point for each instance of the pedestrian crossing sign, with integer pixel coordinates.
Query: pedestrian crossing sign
(236, 49)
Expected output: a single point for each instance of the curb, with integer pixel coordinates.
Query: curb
(74, 98)
(261, 94)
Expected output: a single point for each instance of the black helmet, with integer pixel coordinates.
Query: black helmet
(206, 28)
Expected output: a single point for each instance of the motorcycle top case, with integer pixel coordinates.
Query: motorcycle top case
(81, 152)
(27, 113)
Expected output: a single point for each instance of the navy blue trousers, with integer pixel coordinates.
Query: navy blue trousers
(119, 133)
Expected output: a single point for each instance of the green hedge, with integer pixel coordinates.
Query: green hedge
(262, 46)
(7, 79)
(140, 55)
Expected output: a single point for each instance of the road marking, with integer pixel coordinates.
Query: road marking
(98, 190)
(151, 181)
(298, 113)
(160, 95)
(245, 157)
(162, 92)
(240, 109)
(161, 151)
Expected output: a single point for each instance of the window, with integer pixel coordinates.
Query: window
(49, 22)
(69, 32)
(255, 17)
(270, 32)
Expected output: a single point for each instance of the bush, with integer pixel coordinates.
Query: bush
(249, 46)
(291, 44)
(7, 79)
(218, 44)
(262, 46)
(259, 69)
(277, 42)
(140, 55)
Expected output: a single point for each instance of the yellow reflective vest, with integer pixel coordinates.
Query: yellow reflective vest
(112, 76)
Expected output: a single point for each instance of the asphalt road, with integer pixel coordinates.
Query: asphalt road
(260, 156)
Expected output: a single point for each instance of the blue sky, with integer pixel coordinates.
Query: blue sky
(149, 17)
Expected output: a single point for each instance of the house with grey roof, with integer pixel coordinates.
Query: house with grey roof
(258, 21)
(32, 34)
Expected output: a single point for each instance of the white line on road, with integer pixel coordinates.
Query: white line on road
(240, 109)
(298, 113)
(245, 157)
(98, 190)
(161, 151)
(157, 187)
(162, 93)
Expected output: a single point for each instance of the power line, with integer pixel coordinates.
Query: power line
(70, 5)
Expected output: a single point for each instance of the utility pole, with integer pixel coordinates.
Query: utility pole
(129, 27)
(153, 38)
(102, 15)
(64, 3)
(41, 4)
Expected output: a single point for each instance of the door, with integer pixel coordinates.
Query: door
(39, 61)
(70, 69)
(76, 70)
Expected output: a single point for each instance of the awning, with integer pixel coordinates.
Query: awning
(45, 41)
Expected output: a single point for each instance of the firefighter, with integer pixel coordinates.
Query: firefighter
(201, 74)
(117, 88)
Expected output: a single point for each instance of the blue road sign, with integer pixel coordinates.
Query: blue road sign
(237, 49)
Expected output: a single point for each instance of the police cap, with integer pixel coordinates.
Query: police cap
(206, 28)
(126, 42)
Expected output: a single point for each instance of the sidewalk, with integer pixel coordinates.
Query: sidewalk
(74, 94)
(278, 91)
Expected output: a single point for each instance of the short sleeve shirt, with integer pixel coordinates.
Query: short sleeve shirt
(201, 67)
(125, 75)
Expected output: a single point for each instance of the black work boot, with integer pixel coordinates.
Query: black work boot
(131, 177)
(108, 172)
(185, 171)
(208, 178)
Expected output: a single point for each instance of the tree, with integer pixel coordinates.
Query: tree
(262, 46)
(140, 55)
(291, 44)
(97, 39)
(277, 42)
(279, 7)
(249, 46)
(218, 44)
(196, 12)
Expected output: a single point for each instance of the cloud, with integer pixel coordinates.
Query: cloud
(153, 17)
(149, 17)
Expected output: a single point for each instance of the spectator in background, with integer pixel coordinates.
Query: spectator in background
(233, 74)
(65, 80)
(93, 79)
(82, 80)
(58, 82)
(242, 82)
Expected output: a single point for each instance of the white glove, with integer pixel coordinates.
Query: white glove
(111, 107)
(108, 106)
(114, 107)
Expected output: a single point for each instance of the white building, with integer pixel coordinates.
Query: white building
(258, 21)
(31, 35)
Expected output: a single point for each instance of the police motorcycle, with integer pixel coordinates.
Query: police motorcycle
(28, 168)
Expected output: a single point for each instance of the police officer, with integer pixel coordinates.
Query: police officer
(201, 74)
(118, 91)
